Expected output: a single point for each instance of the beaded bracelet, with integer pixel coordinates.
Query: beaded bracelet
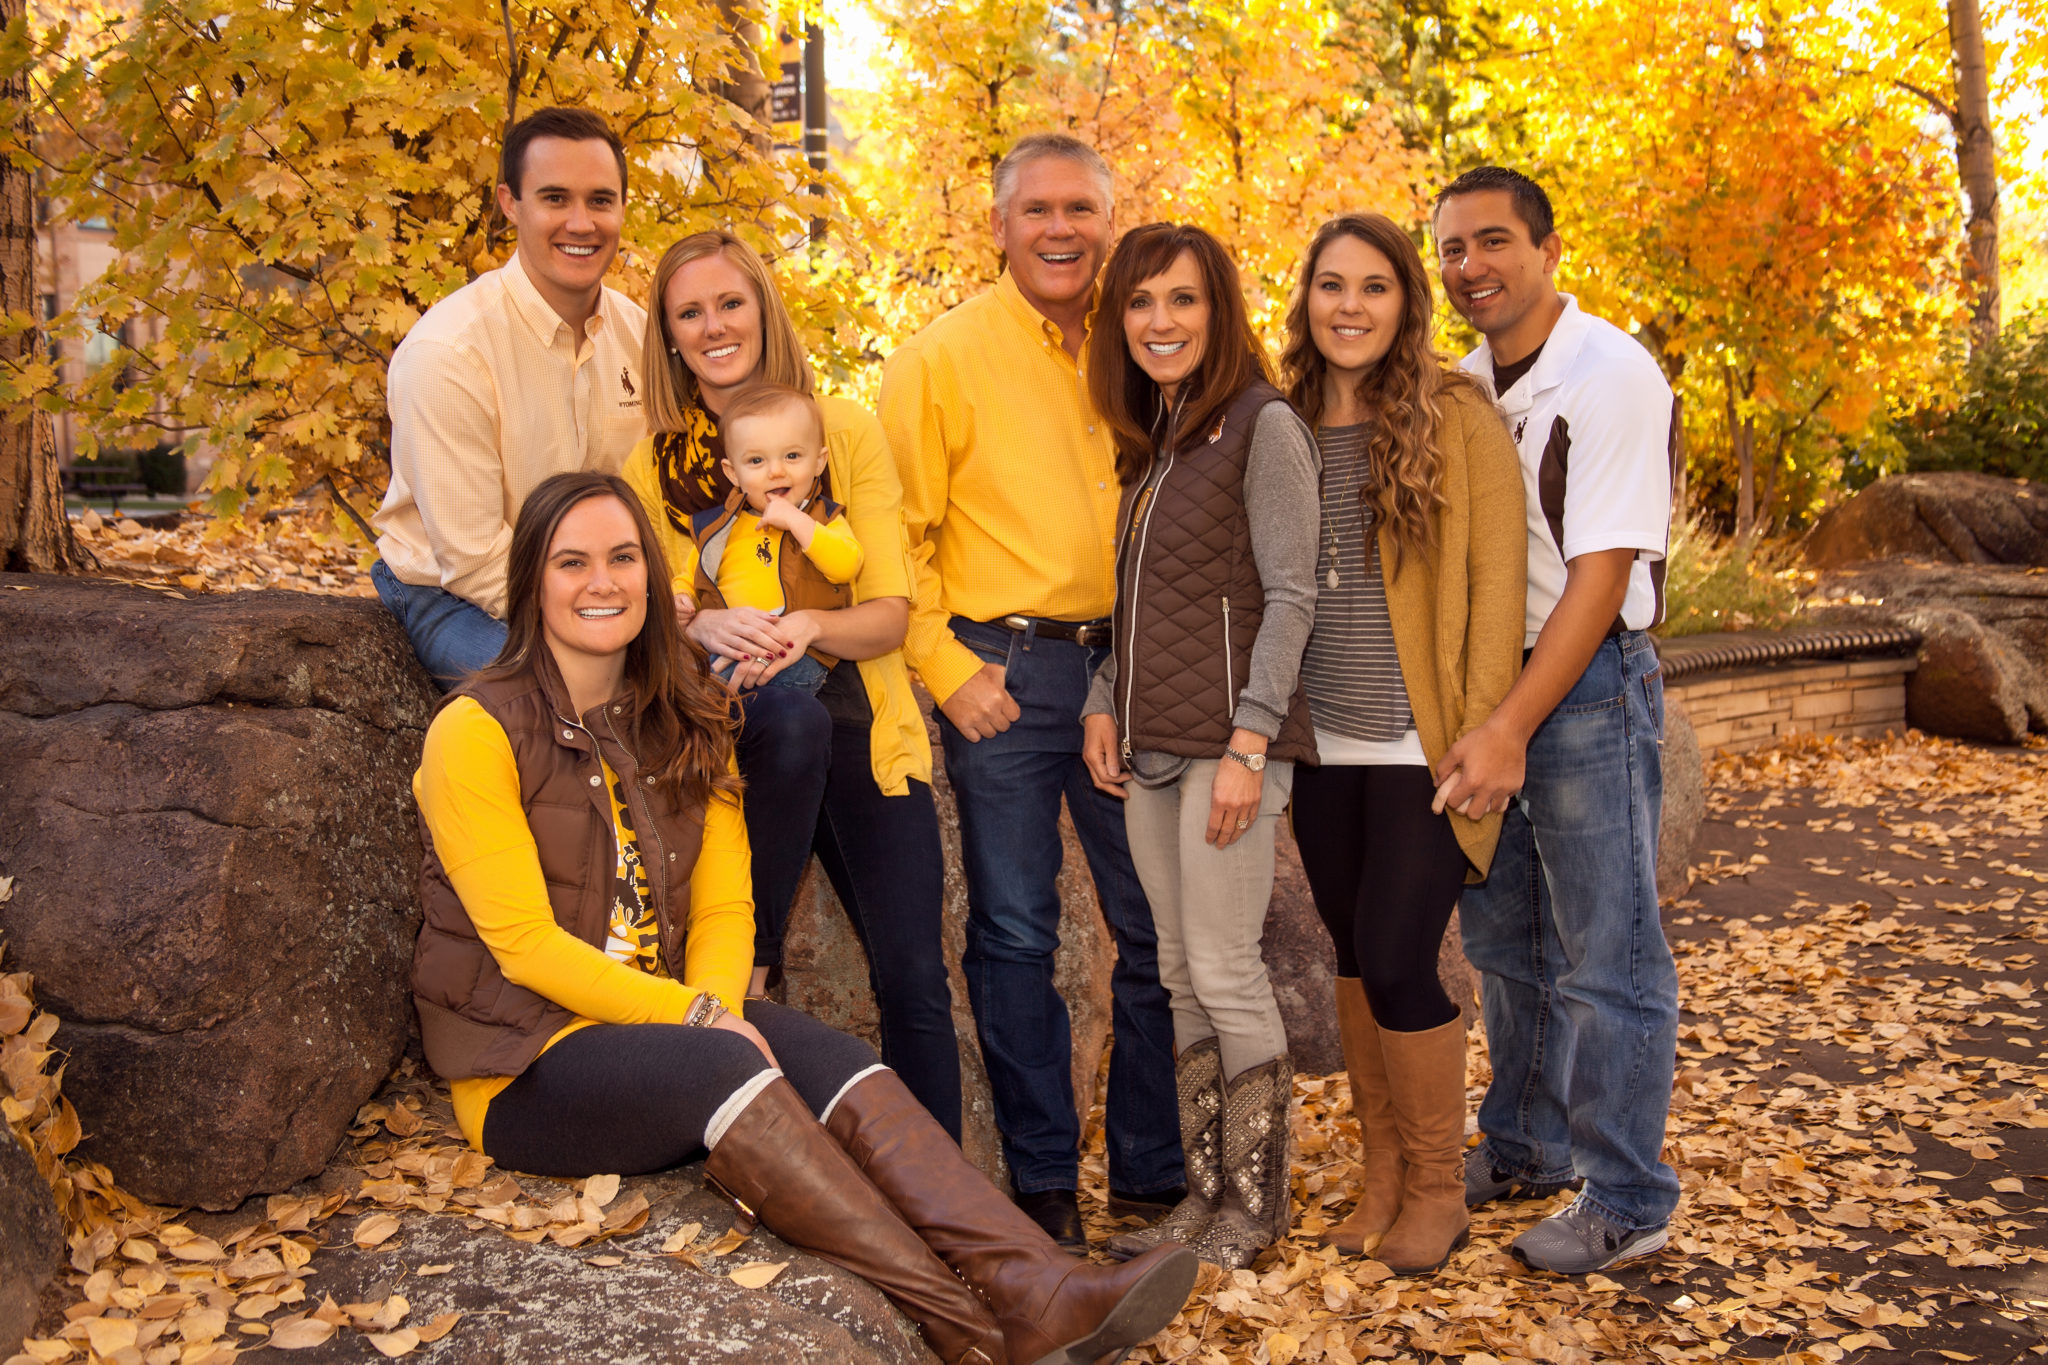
(705, 1011)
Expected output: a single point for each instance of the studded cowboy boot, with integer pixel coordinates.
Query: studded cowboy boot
(781, 1167)
(1198, 1075)
(1256, 1171)
(1054, 1308)
(1426, 1076)
(1380, 1201)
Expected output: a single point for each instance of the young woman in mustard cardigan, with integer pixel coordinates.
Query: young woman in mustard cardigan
(1418, 633)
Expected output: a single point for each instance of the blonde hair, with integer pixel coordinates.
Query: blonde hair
(671, 388)
(760, 399)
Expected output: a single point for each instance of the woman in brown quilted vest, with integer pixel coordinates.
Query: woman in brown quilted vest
(1197, 718)
(581, 974)
(1418, 636)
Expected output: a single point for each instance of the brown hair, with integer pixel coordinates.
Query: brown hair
(1232, 358)
(571, 125)
(1404, 392)
(671, 388)
(680, 719)
(757, 400)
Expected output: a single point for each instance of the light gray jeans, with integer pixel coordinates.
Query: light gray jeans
(1209, 905)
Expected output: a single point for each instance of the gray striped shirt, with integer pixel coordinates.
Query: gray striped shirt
(1350, 670)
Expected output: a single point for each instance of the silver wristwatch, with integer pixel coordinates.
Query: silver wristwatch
(1256, 762)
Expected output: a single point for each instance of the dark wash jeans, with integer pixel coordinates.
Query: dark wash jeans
(1009, 788)
(1579, 989)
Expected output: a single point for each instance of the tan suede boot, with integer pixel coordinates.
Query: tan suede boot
(1426, 1079)
(1380, 1200)
(1053, 1308)
(779, 1165)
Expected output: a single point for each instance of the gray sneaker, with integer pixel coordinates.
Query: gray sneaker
(1581, 1240)
(1486, 1182)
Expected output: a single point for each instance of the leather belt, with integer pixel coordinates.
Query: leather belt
(1087, 634)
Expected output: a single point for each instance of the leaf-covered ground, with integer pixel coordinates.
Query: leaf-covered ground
(1859, 1123)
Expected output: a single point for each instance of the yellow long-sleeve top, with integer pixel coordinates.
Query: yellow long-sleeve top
(467, 787)
(1009, 478)
(750, 571)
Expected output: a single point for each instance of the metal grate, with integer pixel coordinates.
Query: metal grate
(1689, 655)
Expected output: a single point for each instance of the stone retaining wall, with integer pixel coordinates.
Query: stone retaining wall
(1745, 708)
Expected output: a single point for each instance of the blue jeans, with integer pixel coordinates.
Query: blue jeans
(452, 636)
(805, 675)
(1579, 989)
(1008, 788)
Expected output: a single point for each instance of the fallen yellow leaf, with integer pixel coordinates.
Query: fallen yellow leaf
(373, 1231)
(297, 1336)
(757, 1274)
(395, 1344)
(439, 1327)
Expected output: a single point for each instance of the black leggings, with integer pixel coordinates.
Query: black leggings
(1385, 874)
(629, 1098)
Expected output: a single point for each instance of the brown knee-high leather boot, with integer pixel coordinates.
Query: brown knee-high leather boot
(1380, 1201)
(779, 1165)
(1426, 1076)
(1054, 1308)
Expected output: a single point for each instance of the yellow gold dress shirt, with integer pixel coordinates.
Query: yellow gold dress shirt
(1009, 478)
(490, 393)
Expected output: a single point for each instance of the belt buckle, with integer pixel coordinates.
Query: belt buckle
(1020, 624)
(1090, 635)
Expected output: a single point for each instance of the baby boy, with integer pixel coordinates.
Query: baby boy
(779, 543)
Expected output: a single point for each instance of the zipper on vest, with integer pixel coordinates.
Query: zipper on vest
(1229, 667)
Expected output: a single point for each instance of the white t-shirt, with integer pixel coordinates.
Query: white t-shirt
(1593, 424)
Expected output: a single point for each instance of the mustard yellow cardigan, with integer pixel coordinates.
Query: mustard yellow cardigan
(1457, 610)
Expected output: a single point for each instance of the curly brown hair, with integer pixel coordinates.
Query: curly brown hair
(1405, 392)
(681, 722)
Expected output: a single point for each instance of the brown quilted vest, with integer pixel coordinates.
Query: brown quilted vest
(473, 1022)
(1189, 602)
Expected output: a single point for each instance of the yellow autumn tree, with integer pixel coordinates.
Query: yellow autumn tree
(1250, 119)
(292, 183)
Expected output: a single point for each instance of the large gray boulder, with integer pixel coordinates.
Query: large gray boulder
(1959, 518)
(207, 809)
(543, 1302)
(1685, 799)
(31, 1242)
(1983, 667)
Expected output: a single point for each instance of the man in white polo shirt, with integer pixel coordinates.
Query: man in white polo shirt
(530, 370)
(1579, 989)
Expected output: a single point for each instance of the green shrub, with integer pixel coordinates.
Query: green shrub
(1998, 421)
(1717, 583)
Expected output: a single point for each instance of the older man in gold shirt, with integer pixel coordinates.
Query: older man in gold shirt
(1010, 496)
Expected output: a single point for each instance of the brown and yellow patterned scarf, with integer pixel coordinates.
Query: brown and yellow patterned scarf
(690, 465)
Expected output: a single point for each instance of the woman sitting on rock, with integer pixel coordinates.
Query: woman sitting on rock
(582, 970)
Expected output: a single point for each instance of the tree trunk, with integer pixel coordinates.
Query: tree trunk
(748, 87)
(35, 535)
(1977, 163)
(1742, 443)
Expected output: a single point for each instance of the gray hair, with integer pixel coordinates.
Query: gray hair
(1036, 146)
